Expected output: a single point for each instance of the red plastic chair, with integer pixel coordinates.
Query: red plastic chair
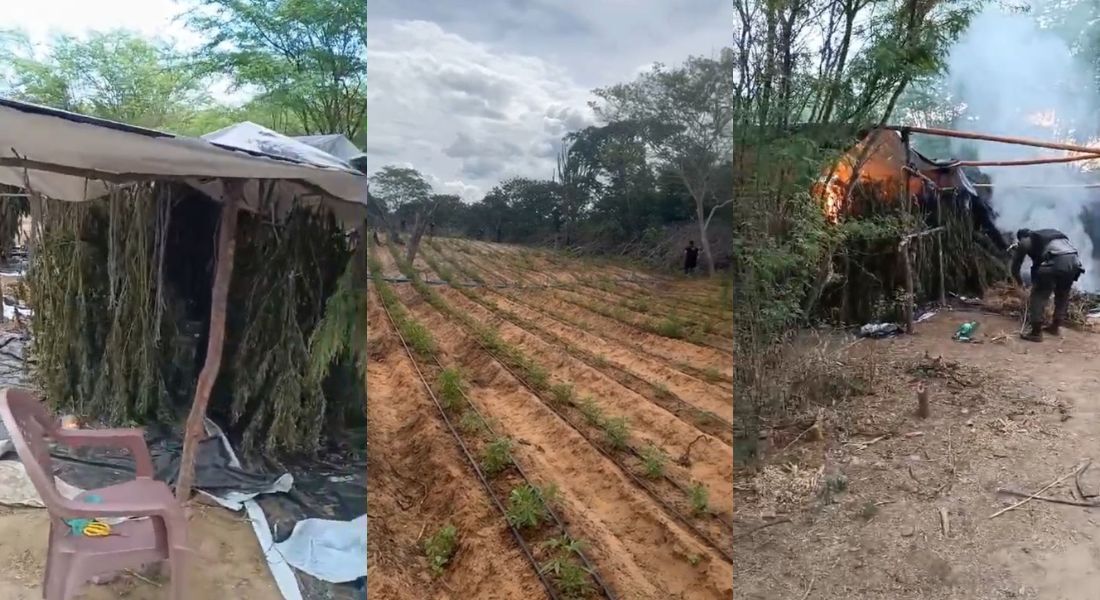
(72, 561)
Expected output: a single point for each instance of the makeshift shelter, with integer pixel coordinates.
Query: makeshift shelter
(151, 203)
(338, 146)
(140, 315)
(932, 211)
(884, 166)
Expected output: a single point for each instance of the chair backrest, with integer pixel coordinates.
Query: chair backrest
(30, 426)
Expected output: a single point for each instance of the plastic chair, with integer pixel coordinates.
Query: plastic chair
(73, 561)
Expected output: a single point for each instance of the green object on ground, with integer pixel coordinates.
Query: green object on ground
(76, 526)
(966, 331)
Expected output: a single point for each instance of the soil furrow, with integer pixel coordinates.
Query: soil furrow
(642, 552)
(420, 482)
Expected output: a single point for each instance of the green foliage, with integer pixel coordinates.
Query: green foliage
(617, 430)
(497, 456)
(562, 393)
(526, 508)
(307, 57)
(699, 499)
(116, 75)
(277, 382)
(653, 461)
(451, 388)
(440, 547)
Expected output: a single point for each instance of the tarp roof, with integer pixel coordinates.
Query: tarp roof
(336, 145)
(66, 154)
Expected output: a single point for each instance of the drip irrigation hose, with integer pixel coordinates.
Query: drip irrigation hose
(604, 589)
(727, 553)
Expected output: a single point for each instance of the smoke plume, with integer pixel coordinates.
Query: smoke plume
(1017, 79)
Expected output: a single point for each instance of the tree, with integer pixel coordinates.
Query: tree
(688, 118)
(575, 181)
(115, 75)
(403, 189)
(307, 57)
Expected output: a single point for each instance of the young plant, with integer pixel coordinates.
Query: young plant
(497, 456)
(526, 507)
(471, 422)
(440, 547)
(451, 388)
(569, 577)
(653, 461)
(699, 499)
(562, 393)
(418, 337)
(591, 411)
(617, 430)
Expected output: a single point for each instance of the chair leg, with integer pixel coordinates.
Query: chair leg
(177, 561)
(58, 566)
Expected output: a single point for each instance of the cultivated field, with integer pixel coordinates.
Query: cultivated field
(546, 427)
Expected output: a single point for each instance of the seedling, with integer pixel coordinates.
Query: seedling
(617, 430)
(440, 547)
(699, 499)
(497, 456)
(653, 461)
(526, 507)
(451, 388)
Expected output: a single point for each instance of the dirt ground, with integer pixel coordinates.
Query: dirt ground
(229, 561)
(892, 506)
(634, 531)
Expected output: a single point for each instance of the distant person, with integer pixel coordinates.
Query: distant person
(691, 258)
(402, 225)
(431, 230)
(1055, 267)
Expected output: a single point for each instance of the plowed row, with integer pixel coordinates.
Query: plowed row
(612, 386)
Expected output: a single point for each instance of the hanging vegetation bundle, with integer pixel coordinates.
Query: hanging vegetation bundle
(121, 292)
(94, 284)
(288, 274)
(14, 207)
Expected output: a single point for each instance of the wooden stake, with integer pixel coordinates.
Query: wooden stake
(223, 274)
(923, 410)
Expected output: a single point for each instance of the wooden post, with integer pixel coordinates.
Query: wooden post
(223, 274)
(939, 247)
(907, 269)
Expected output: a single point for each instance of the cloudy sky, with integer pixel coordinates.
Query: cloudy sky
(473, 93)
(154, 18)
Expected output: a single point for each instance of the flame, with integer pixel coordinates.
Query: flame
(831, 189)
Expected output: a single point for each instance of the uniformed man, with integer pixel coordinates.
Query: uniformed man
(1055, 267)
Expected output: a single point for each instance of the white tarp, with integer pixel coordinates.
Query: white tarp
(70, 141)
(336, 145)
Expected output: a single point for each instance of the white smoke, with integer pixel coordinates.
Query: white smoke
(1019, 80)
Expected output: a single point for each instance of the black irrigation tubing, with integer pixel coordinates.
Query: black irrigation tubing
(637, 347)
(547, 336)
(482, 285)
(606, 591)
(727, 553)
(631, 345)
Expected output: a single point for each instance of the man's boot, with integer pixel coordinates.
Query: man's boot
(1035, 335)
(1054, 329)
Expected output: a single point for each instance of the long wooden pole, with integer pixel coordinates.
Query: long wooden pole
(1026, 161)
(965, 135)
(223, 274)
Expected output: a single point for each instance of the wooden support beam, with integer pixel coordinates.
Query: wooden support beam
(223, 275)
(965, 135)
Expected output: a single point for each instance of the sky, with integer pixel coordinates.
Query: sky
(40, 18)
(473, 93)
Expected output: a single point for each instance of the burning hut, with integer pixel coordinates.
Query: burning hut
(934, 209)
(170, 273)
